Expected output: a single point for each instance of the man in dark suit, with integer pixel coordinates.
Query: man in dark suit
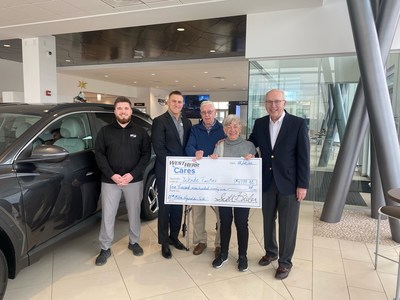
(169, 135)
(284, 146)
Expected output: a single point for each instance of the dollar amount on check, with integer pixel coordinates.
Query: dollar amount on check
(217, 182)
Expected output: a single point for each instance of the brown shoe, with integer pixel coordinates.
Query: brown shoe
(266, 260)
(282, 273)
(217, 251)
(199, 248)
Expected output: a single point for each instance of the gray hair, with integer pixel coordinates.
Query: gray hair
(207, 102)
(277, 90)
(232, 119)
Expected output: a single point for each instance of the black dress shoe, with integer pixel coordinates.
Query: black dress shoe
(165, 251)
(266, 260)
(282, 273)
(177, 243)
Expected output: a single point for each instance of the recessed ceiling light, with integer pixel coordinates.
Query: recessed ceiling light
(134, 82)
(176, 80)
(153, 74)
(106, 76)
(7, 45)
(194, 86)
(212, 51)
(205, 72)
(68, 60)
(180, 29)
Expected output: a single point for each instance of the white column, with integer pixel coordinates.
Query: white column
(39, 66)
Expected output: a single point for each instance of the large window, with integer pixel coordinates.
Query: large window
(320, 90)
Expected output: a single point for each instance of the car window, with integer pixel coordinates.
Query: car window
(143, 123)
(12, 126)
(103, 118)
(50, 134)
(71, 132)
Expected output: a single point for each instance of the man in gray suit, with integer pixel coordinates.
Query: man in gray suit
(284, 146)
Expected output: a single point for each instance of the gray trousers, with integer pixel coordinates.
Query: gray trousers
(287, 209)
(110, 198)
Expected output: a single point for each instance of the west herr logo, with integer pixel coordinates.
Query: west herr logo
(186, 164)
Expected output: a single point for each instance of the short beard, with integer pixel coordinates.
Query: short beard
(124, 120)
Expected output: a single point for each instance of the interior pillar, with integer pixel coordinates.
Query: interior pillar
(39, 69)
(370, 55)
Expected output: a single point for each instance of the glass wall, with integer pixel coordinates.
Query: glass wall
(320, 90)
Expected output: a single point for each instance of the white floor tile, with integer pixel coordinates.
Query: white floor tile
(191, 293)
(329, 286)
(324, 268)
(245, 287)
(31, 292)
(362, 275)
(361, 294)
(105, 285)
(147, 280)
(328, 260)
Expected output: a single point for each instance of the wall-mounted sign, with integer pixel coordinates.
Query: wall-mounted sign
(139, 104)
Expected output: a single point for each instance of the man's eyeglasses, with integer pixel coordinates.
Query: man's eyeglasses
(208, 112)
(273, 102)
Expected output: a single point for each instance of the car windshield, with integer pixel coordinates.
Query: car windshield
(12, 126)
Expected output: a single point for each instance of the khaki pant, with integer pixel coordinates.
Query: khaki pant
(199, 225)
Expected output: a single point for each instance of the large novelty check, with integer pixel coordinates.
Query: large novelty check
(217, 182)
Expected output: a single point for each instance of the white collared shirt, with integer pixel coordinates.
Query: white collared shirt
(274, 128)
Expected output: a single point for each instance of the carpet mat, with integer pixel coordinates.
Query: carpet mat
(355, 224)
(319, 184)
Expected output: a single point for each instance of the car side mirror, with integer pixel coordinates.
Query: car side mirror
(46, 153)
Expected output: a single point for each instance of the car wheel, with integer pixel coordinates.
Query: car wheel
(3, 274)
(150, 199)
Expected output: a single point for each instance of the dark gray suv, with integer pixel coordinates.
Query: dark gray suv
(49, 180)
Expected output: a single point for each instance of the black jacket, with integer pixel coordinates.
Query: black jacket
(166, 141)
(122, 150)
(289, 161)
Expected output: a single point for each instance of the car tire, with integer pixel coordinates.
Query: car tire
(150, 199)
(3, 274)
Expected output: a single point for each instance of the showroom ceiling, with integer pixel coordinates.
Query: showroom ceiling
(112, 40)
(211, 38)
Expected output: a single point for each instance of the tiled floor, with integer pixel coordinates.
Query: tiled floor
(324, 268)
